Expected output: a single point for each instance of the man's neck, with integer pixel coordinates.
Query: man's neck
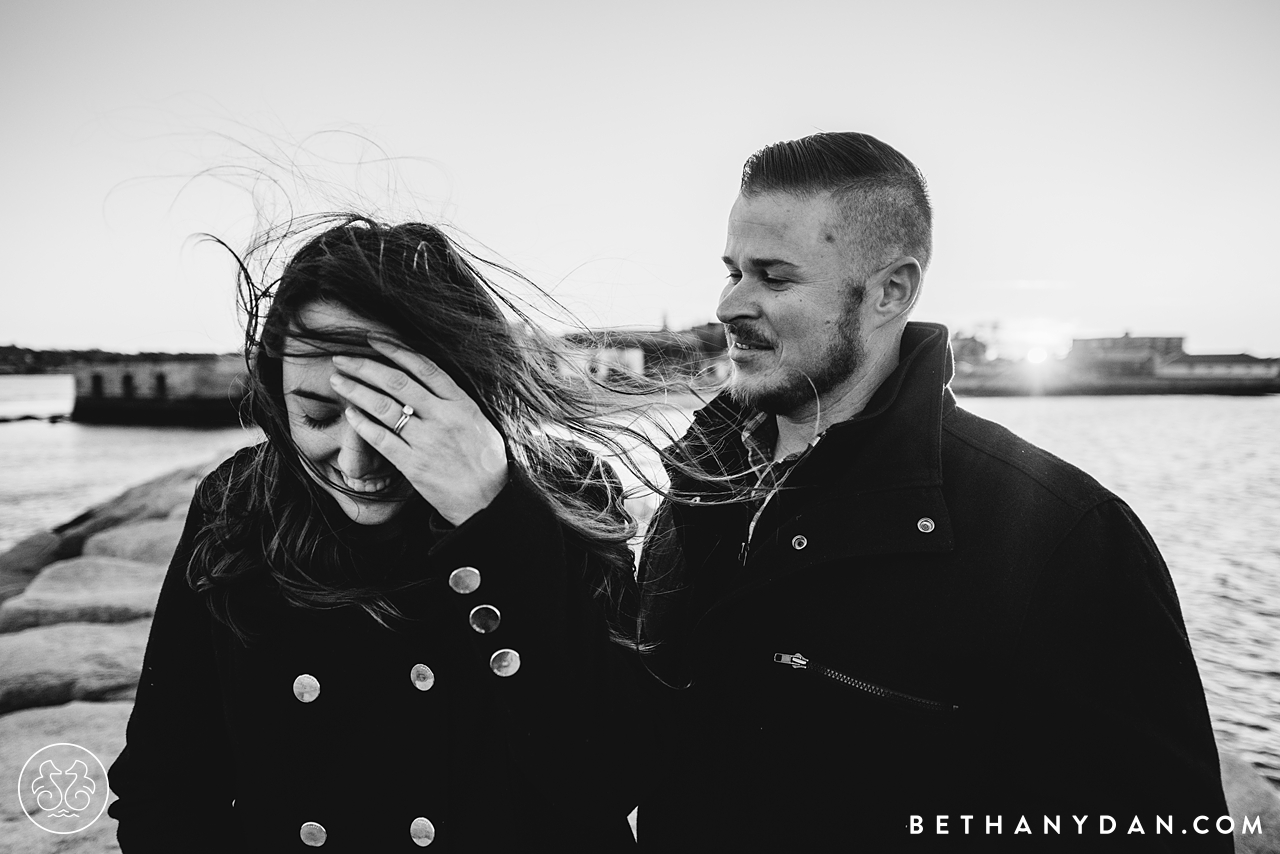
(800, 428)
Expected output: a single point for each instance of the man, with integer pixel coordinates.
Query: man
(889, 623)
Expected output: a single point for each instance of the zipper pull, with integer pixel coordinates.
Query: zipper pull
(796, 660)
(742, 553)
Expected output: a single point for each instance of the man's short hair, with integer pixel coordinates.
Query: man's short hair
(881, 193)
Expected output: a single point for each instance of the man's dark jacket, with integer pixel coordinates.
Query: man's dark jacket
(988, 632)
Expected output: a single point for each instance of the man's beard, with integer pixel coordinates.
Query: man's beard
(791, 389)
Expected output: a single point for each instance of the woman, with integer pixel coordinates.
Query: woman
(382, 628)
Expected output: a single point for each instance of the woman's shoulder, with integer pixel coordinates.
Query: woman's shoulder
(241, 459)
(230, 474)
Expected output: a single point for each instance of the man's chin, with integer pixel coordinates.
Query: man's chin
(773, 398)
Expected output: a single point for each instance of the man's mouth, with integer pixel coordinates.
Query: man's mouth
(739, 344)
(738, 341)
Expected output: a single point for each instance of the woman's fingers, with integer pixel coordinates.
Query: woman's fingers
(384, 378)
(448, 450)
(379, 438)
(421, 368)
(383, 408)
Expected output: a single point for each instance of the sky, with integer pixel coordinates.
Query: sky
(1095, 167)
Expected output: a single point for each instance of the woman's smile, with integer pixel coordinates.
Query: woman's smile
(367, 485)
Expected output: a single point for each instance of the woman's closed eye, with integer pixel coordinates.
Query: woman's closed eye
(319, 422)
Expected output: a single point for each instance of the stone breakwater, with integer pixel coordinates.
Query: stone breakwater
(75, 610)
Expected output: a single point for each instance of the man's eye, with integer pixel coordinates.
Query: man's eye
(733, 276)
(769, 280)
(319, 423)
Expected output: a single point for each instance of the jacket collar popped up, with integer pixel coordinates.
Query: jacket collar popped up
(885, 463)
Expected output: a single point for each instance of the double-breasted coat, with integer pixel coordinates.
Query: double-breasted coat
(332, 731)
(932, 618)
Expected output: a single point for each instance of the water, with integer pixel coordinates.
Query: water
(36, 395)
(50, 472)
(1202, 472)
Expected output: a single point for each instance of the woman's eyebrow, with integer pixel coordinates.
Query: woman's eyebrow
(312, 395)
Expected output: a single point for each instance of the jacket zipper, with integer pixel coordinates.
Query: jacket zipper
(799, 662)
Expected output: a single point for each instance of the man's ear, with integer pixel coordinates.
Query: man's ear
(899, 289)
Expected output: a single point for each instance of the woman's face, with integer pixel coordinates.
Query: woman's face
(324, 437)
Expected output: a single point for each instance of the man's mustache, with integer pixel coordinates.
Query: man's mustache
(748, 335)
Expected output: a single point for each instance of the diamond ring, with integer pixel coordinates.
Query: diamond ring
(406, 412)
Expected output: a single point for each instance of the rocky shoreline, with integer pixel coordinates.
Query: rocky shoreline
(75, 610)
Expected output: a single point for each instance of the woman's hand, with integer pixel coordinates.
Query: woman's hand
(447, 449)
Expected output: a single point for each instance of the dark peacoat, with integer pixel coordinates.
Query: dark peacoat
(933, 619)
(331, 730)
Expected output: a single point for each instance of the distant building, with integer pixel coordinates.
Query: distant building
(968, 350)
(1124, 365)
(1124, 356)
(695, 355)
(1215, 365)
(197, 390)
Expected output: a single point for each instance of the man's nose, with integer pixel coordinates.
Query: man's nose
(736, 302)
(356, 457)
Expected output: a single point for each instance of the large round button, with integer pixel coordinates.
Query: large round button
(925, 525)
(422, 831)
(799, 541)
(313, 834)
(306, 688)
(465, 579)
(485, 619)
(504, 662)
(422, 677)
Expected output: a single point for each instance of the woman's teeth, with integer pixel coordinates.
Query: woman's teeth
(373, 484)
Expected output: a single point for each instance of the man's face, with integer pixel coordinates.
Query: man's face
(791, 305)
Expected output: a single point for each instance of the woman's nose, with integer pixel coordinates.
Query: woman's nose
(356, 457)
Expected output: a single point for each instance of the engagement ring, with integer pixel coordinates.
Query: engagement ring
(406, 412)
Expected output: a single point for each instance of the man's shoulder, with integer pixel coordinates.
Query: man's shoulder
(991, 453)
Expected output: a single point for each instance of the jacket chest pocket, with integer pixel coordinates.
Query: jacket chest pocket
(867, 690)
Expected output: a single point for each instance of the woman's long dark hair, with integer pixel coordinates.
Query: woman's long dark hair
(265, 518)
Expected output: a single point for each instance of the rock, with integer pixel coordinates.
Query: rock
(91, 589)
(149, 542)
(154, 499)
(160, 500)
(27, 557)
(1249, 795)
(98, 727)
(49, 665)
(72, 535)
